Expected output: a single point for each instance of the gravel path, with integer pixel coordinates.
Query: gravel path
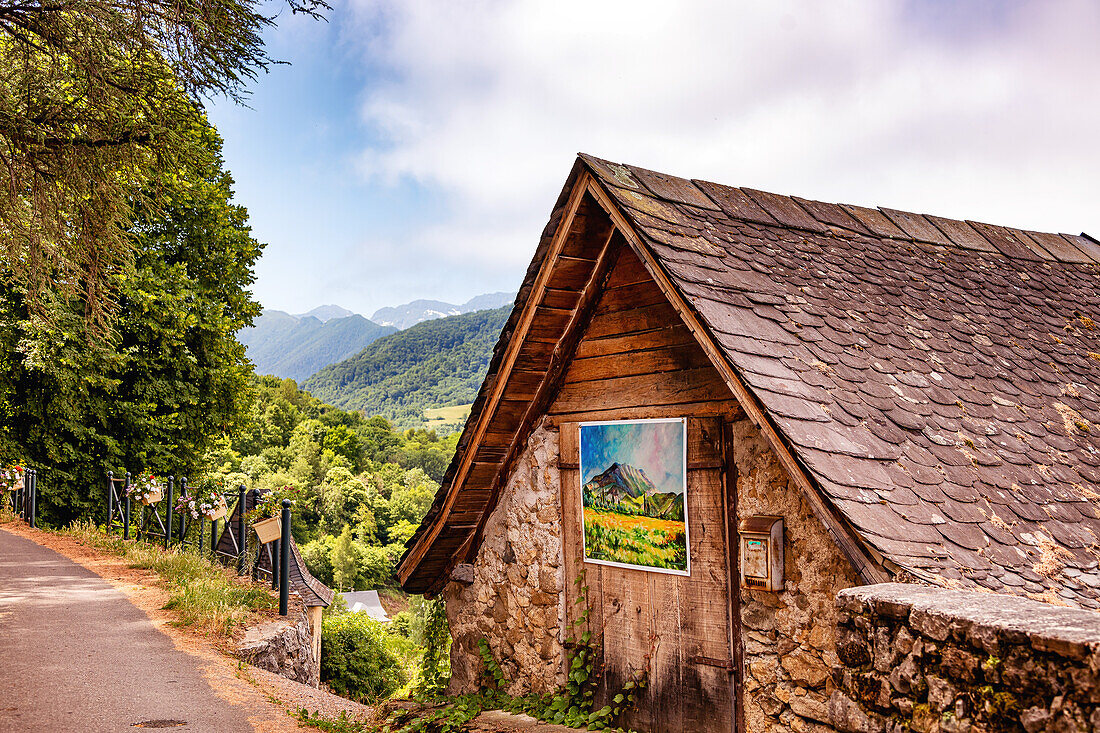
(295, 695)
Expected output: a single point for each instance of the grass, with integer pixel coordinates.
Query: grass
(205, 596)
(634, 539)
(446, 415)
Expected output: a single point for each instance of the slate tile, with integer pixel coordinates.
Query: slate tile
(1085, 244)
(740, 321)
(855, 472)
(656, 208)
(1059, 247)
(916, 226)
(1005, 242)
(961, 234)
(613, 173)
(857, 442)
(893, 547)
(784, 210)
(764, 365)
(921, 513)
(673, 188)
(789, 387)
(969, 536)
(735, 202)
(831, 214)
(875, 220)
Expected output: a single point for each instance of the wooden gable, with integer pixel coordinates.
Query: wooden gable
(598, 328)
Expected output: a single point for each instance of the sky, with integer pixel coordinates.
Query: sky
(654, 446)
(414, 148)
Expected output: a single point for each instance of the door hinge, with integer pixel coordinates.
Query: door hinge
(726, 664)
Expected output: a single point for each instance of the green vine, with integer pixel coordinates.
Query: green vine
(435, 668)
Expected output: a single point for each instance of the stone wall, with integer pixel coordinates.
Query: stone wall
(788, 636)
(514, 598)
(931, 659)
(284, 647)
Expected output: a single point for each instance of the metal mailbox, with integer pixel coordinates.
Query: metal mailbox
(761, 553)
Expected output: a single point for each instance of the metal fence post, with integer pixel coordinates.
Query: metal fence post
(183, 517)
(168, 513)
(214, 537)
(34, 497)
(242, 540)
(126, 526)
(284, 562)
(110, 499)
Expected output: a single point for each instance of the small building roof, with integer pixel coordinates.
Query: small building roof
(936, 381)
(312, 591)
(366, 601)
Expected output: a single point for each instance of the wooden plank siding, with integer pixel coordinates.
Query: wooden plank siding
(637, 360)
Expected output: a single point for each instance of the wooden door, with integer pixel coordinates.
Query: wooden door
(682, 629)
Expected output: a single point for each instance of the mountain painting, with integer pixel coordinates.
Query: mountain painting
(634, 490)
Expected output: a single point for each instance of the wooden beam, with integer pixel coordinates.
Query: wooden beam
(845, 538)
(733, 579)
(559, 362)
(417, 552)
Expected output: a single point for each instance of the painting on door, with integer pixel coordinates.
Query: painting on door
(634, 486)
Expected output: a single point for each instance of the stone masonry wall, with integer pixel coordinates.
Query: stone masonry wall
(284, 647)
(788, 636)
(515, 600)
(918, 658)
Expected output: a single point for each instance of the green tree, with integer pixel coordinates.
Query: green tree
(171, 379)
(346, 558)
(95, 95)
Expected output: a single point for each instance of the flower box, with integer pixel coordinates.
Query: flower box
(219, 511)
(268, 530)
(18, 485)
(152, 496)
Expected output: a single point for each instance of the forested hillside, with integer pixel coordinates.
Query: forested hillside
(433, 364)
(297, 346)
(359, 487)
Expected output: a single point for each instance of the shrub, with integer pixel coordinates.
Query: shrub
(356, 661)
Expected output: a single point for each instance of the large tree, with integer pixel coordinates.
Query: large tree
(94, 94)
(170, 378)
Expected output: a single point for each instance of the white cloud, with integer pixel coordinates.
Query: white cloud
(993, 115)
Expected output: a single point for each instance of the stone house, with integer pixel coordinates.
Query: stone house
(917, 398)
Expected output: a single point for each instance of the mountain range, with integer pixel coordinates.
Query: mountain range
(327, 313)
(626, 489)
(297, 346)
(409, 314)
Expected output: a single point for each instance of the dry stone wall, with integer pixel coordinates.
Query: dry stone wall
(284, 647)
(513, 596)
(788, 636)
(927, 659)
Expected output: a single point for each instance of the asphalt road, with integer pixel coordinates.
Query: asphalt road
(76, 655)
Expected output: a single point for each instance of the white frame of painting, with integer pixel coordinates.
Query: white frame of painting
(686, 572)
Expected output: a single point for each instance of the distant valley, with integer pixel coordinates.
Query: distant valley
(297, 346)
(418, 364)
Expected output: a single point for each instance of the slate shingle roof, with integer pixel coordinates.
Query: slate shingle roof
(939, 379)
